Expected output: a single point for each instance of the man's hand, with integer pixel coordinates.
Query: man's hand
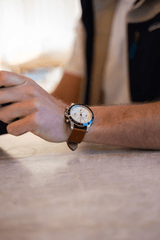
(32, 109)
(136, 125)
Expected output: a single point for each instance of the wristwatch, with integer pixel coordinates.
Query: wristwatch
(80, 118)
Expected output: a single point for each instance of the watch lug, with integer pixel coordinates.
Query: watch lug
(66, 115)
(88, 127)
(72, 125)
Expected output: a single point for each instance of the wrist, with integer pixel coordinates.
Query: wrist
(80, 118)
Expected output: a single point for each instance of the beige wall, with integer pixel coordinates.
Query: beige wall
(30, 28)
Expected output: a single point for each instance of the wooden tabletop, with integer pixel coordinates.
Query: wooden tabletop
(48, 192)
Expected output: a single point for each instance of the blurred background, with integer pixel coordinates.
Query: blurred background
(37, 37)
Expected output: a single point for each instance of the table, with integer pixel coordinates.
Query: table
(48, 192)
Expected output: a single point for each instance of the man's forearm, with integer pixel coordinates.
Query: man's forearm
(68, 88)
(136, 126)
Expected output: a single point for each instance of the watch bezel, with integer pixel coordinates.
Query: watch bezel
(78, 123)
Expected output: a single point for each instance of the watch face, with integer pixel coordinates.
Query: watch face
(81, 114)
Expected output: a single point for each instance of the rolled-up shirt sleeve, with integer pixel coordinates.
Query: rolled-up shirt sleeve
(76, 63)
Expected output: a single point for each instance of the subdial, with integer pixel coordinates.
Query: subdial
(75, 114)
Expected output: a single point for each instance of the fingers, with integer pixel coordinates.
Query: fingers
(17, 93)
(21, 126)
(19, 88)
(37, 111)
(18, 110)
(9, 79)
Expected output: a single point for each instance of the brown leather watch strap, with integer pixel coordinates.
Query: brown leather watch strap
(76, 137)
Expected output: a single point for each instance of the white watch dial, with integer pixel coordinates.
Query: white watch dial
(81, 114)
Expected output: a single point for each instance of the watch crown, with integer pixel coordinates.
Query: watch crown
(67, 120)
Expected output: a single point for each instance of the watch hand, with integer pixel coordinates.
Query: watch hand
(84, 120)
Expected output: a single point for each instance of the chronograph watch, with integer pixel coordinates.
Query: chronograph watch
(80, 118)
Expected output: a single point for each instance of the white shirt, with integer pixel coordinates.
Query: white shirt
(114, 83)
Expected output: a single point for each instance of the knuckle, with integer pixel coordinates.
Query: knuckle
(33, 121)
(35, 105)
(31, 91)
(34, 125)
